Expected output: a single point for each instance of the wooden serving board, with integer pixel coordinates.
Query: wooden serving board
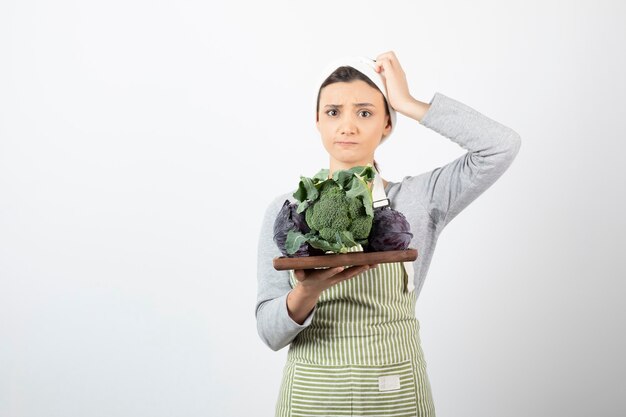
(332, 260)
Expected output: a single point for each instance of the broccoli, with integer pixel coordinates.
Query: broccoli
(337, 210)
(333, 214)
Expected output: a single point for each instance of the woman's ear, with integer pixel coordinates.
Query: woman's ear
(387, 129)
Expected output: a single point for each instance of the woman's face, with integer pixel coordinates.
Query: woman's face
(352, 122)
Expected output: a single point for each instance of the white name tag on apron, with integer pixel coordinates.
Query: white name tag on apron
(388, 382)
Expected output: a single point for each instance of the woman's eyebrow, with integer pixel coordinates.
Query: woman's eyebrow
(353, 104)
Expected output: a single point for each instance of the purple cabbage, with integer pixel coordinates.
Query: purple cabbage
(288, 219)
(390, 231)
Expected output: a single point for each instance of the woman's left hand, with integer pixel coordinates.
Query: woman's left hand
(395, 82)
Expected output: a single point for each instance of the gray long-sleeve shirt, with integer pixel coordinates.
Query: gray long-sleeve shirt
(429, 201)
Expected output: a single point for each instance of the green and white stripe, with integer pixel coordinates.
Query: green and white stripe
(364, 333)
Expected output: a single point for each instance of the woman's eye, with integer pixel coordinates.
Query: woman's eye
(365, 111)
(330, 111)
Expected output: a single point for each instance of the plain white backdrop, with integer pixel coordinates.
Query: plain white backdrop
(140, 142)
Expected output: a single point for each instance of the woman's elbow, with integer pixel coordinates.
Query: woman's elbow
(267, 338)
(516, 142)
(267, 335)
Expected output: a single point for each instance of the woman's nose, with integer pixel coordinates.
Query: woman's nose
(347, 126)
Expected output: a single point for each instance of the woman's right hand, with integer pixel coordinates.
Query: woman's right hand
(311, 282)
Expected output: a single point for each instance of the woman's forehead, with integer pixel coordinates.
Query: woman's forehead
(350, 92)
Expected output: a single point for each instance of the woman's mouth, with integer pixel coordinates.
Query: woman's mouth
(345, 143)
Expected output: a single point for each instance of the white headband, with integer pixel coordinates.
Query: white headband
(367, 67)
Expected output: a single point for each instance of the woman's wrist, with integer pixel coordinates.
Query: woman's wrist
(414, 109)
(300, 303)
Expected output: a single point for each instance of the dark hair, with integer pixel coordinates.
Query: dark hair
(346, 74)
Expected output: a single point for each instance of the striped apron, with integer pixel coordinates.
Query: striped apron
(361, 354)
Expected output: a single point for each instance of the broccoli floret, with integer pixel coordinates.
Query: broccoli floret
(333, 212)
(355, 208)
(361, 227)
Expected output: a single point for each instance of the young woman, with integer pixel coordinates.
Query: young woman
(354, 339)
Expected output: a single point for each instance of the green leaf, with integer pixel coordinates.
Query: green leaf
(358, 189)
(319, 243)
(294, 240)
(367, 173)
(303, 206)
(322, 174)
(306, 190)
(300, 193)
(347, 238)
(343, 178)
(359, 169)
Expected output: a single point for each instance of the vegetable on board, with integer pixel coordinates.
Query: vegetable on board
(332, 215)
(289, 219)
(390, 231)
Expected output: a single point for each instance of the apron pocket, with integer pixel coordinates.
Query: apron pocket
(321, 390)
(353, 390)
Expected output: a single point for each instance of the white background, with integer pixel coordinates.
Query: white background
(140, 142)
